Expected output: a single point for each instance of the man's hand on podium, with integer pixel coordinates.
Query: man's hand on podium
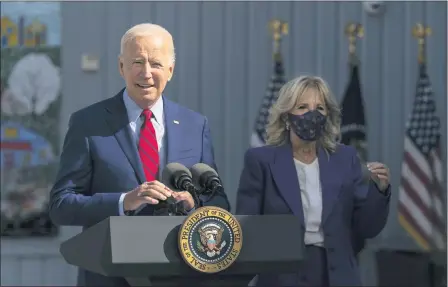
(186, 198)
(147, 193)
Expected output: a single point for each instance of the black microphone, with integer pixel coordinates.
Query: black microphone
(206, 177)
(177, 177)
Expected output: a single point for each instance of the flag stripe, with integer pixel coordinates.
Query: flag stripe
(424, 208)
(418, 176)
(421, 224)
(422, 211)
(420, 200)
(421, 191)
(417, 157)
(422, 242)
(436, 163)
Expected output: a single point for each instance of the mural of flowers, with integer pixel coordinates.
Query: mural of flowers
(33, 84)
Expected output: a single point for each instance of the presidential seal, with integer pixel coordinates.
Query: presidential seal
(210, 239)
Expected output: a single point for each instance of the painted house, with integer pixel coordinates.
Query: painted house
(21, 35)
(35, 34)
(9, 33)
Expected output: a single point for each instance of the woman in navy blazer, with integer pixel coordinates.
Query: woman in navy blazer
(303, 170)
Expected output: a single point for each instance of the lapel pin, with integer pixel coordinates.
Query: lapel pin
(176, 122)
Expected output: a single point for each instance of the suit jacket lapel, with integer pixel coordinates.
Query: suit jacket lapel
(330, 191)
(173, 128)
(285, 176)
(117, 119)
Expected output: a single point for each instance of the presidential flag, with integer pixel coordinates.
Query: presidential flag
(353, 122)
(420, 201)
(353, 129)
(277, 80)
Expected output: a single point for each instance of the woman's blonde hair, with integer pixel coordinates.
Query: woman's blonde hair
(277, 133)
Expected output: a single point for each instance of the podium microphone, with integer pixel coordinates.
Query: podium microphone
(206, 177)
(177, 177)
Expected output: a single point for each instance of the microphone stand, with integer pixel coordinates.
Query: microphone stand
(173, 209)
(211, 192)
(194, 193)
(168, 207)
(176, 209)
(165, 209)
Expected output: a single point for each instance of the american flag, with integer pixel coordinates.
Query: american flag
(258, 137)
(420, 199)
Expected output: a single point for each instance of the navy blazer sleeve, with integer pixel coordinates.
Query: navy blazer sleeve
(219, 199)
(71, 200)
(249, 199)
(371, 206)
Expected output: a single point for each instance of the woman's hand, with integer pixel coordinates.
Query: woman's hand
(379, 174)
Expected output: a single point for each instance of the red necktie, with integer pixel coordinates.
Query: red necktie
(148, 148)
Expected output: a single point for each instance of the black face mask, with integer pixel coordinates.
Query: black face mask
(309, 126)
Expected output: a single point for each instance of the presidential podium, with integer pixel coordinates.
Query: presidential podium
(144, 250)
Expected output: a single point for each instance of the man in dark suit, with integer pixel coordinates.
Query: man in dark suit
(114, 150)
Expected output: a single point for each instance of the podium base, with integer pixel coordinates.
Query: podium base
(204, 280)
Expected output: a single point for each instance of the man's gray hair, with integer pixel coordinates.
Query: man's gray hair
(144, 29)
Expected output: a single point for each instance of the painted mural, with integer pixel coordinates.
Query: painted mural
(30, 105)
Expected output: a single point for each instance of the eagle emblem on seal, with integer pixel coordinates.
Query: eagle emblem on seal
(210, 241)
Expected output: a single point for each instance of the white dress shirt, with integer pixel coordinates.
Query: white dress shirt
(311, 194)
(136, 120)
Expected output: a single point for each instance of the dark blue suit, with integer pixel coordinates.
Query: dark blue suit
(99, 161)
(269, 185)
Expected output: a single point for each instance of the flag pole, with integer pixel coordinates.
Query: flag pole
(353, 31)
(420, 32)
(277, 28)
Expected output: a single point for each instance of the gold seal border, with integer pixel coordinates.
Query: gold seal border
(184, 237)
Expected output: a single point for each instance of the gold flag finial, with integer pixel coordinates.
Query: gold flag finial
(353, 31)
(420, 32)
(277, 28)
